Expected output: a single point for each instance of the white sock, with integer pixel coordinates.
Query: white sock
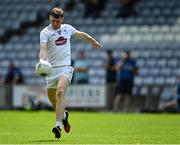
(64, 115)
(58, 123)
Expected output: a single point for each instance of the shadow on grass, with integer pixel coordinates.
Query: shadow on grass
(45, 141)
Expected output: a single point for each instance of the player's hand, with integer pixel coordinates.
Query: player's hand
(37, 67)
(95, 44)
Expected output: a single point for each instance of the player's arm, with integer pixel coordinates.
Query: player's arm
(135, 70)
(87, 37)
(118, 66)
(42, 52)
(42, 55)
(81, 69)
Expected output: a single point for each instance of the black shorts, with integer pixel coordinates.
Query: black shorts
(82, 81)
(124, 87)
(178, 101)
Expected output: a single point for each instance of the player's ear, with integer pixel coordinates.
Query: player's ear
(62, 18)
(49, 17)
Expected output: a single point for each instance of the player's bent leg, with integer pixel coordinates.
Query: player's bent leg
(52, 96)
(60, 105)
(63, 82)
(56, 97)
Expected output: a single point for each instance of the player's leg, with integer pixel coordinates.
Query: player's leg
(63, 82)
(66, 74)
(116, 103)
(126, 102)
(128, 88)
(60, 107)
(119, 89)
(62, 85)
(171, 105)
(52, 96)
(52, 99)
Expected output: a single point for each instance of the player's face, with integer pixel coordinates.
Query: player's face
(82, 55)
(55, 23)
(124, 55)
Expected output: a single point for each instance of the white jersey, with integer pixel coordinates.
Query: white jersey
(58, 51)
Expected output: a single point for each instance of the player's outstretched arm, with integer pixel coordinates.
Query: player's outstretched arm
(42, 55)
(87, 37)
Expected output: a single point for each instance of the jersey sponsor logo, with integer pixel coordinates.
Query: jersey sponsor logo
(61, 41)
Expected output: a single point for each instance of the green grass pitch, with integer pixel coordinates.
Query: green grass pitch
(18, 127)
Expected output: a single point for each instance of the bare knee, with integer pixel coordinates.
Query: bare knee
(117, 98)
(59, 93)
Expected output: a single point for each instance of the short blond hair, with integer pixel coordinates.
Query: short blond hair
(57, 12)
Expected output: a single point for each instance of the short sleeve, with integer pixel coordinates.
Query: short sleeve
(43, 36)
(71, 29)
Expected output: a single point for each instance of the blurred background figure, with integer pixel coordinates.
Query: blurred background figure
(93, 8)
(81, 67)
(172, 104)
(127, 70)
(111, 76)
(127, 8)
(1, 80)
(70, 6)
(110, 68)
(14, 75)
(1, 77)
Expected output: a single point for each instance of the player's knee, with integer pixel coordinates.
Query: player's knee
(54, 106)
(59, 92)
